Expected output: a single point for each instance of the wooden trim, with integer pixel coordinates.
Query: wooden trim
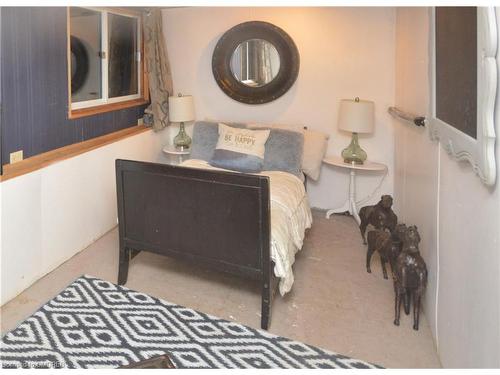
(145, 72)
(145, 76)
(47, 158)
(109, 107)
(90, 111)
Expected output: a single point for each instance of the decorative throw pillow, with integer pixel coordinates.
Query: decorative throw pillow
(240, 149)
(205, 136)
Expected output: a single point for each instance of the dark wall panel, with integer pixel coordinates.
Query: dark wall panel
(1, 162)
(456, 67)
(35, 89)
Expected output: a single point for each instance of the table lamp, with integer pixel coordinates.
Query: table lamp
(181, 109)
(355, 116)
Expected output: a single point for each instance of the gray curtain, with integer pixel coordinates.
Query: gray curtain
(158, 68)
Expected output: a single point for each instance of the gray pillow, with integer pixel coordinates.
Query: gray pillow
(236, 161)
(205, 136)
(284, 151)
(283, 147)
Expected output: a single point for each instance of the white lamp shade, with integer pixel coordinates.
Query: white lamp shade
(181, 108)
(356, 116)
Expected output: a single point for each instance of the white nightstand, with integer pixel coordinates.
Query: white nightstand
(172, 151)
(350, 204)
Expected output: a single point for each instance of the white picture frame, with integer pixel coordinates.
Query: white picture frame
(479, 151)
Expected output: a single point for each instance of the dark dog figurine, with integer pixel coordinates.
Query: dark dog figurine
(388, 245)
(396, 247)
(378, 240)
(410, 276)
(397, 238)
(372, 215)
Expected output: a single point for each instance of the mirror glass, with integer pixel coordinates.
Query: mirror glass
(122, 61)
(86, 64)
(255, 62)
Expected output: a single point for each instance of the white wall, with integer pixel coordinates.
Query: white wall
(49, 215)
(457, 215)
(344, 52)
(416, 172)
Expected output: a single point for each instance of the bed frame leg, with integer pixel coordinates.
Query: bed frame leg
(266, 305)
(123, 265)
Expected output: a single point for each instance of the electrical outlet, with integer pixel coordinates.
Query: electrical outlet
(16, 157)
(140, 121)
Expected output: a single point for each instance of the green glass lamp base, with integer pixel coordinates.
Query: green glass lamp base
(182, 141)
(354, 153)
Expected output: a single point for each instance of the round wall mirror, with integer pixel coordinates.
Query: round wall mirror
(255, 62)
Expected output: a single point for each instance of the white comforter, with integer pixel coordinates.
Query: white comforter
(290, 217)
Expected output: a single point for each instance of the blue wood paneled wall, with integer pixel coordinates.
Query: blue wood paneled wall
(35, 88)
(1, 159)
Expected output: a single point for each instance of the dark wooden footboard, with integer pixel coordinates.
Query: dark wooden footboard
(220, 219)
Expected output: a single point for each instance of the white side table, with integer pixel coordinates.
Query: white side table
(350, 203)
(171, 151)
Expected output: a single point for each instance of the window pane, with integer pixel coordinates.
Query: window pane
(85, 26)
(122, 44)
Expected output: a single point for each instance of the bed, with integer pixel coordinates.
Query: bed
(290, 217)
(247, 224)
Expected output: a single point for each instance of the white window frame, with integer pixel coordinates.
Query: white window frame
(105, 62)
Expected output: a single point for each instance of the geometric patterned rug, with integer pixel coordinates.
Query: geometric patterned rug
(96, 324)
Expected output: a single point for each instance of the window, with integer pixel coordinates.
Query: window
(105, 68)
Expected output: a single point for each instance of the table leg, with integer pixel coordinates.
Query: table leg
(350, 204)
(353, 210)
(345, 207)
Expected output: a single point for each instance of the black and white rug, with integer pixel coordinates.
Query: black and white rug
(97, 324)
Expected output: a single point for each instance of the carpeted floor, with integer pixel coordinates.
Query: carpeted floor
(334, 303)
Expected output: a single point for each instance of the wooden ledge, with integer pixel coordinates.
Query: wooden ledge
(90, 111)
(47, 158)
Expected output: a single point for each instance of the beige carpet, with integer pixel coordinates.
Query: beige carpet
(334, 303)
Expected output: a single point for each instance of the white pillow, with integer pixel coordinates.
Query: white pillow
(244, 141)
(315, 145)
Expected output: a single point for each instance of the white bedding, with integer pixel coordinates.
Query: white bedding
(290, 217)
